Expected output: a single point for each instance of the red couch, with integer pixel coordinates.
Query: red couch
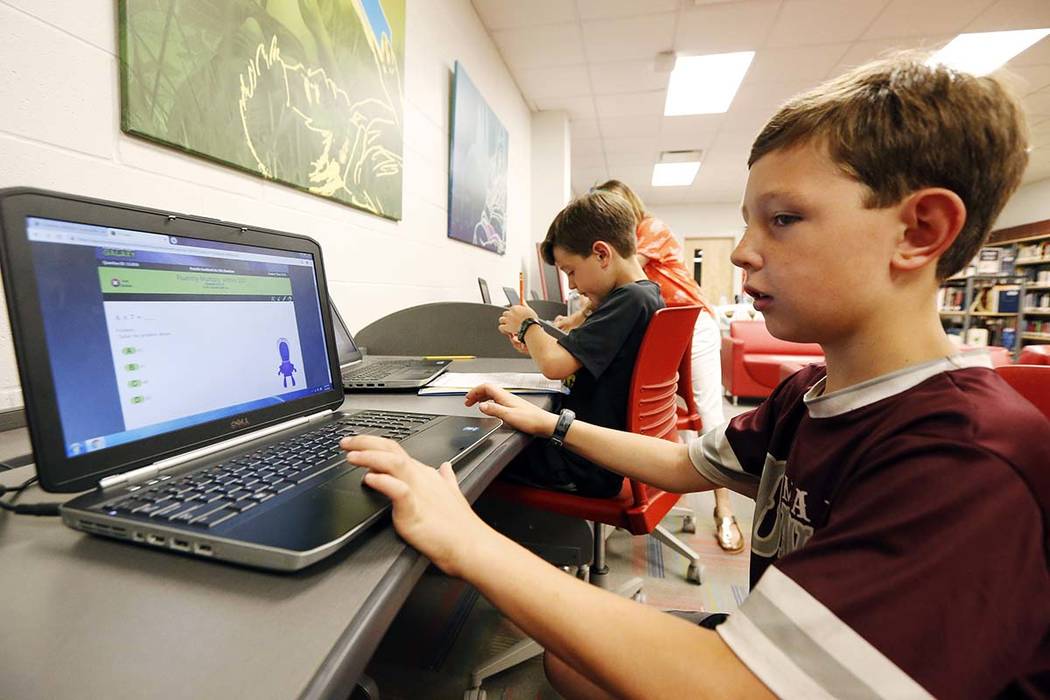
(751, 359)
(1034, 355)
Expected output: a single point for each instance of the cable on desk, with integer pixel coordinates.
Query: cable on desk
(41, 509)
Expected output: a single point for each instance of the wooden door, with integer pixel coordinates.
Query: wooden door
(708, 260)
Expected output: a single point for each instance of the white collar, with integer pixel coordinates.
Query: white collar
(821, 405)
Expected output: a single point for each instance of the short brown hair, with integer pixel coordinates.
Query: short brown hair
(621, 188)
(898, 125)
(596, 216)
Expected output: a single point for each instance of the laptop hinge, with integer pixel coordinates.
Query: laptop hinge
(152, 470)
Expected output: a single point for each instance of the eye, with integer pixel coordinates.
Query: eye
(782, 220)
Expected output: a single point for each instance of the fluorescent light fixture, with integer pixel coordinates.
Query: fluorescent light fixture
(705, 84)
(983, 52)
(676, 169)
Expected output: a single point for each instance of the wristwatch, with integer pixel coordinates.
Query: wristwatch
(565, 419)
(524, 328)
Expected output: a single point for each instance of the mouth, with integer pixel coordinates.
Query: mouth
(755, 294)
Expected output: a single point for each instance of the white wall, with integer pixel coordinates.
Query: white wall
(551, 183)
(60, 129)
(1029, 204)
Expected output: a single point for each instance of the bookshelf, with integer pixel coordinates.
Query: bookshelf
(1023, 254)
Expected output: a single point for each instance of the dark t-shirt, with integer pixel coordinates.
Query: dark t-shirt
(607, 344)
(900, 538)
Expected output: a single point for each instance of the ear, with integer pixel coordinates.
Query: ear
(603, 251)
(932, 220)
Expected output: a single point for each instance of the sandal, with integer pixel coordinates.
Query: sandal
(724, 527)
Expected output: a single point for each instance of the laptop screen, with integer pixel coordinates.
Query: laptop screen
(345, 346)
(149, 333)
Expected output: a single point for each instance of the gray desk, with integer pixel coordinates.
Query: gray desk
(89, 617)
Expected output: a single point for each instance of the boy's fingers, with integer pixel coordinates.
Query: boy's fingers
(370, 442)
(445, 470)
(383, 462)
(391, 487)
(478, 393)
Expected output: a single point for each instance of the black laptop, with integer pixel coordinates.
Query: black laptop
(379, 372)
(185, 371)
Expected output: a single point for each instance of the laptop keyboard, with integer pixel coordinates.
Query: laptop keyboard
(217, 494)
(378, 370)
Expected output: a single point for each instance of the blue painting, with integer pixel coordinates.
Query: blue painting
(477, 178)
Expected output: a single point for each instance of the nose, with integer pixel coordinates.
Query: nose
(745, 256)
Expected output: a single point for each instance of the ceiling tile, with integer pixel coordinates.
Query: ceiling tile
(577, 107)
(1012, 14)
(506, 14)
(606, 9)
(588, 161)
(583, 128)
(585, 178)
(688, 133)
(803, 22)
(907, 18)
(632, 144)
(639, 37)
(1037, 104)
(1036, 55)
(619, 161)
(634, 175)
(560, 81)
(617, 127)
(552, 45)
(865, 51)
(1026, 79)
(631, 104)
(801, 62)
(587, 146)
(627, 76)
(735, 26)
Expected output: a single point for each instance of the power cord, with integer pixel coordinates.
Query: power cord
(40, 509)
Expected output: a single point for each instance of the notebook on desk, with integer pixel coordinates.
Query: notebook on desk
(185, 371)
(378, 372)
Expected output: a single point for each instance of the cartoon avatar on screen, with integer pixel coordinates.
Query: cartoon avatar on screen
(286, 368)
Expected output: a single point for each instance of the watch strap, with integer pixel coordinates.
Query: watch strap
(565, 419)
(524, 328)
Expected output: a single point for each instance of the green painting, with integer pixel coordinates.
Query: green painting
(303, 92)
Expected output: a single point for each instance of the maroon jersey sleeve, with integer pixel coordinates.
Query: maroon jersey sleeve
(930, 577)
(734, 454)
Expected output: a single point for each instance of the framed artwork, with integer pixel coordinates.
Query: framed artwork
(307, 93)
(477, 174)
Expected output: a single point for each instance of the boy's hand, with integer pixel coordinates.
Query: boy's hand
(511, 319)
(512, 410)
(430, 512)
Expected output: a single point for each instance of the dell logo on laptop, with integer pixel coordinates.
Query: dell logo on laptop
(238, 423)
(471, 428)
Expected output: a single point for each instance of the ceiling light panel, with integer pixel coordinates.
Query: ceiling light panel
(705, 84)
(983, 52)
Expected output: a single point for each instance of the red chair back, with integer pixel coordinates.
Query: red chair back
(652, 404)
(651, 411)
(1031, 382)
(688, 415)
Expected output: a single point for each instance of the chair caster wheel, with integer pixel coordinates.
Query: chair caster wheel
(474, 694)
(689, 524)
(692, 574)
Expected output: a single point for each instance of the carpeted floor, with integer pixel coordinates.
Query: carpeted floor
(446, 629)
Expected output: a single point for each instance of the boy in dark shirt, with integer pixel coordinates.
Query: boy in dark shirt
(902, 496)
(591, 240)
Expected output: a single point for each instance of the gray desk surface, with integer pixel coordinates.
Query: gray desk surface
(84, 616)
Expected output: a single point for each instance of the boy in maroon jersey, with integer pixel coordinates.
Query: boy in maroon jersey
(901, 529)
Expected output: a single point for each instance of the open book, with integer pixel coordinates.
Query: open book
(514, 382)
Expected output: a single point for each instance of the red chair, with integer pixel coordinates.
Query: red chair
(1034, 355)
(752, 357)
(638, 508)
(1031, 382)
(652, 410)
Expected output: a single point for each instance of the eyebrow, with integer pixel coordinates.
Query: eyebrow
(775, 194)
